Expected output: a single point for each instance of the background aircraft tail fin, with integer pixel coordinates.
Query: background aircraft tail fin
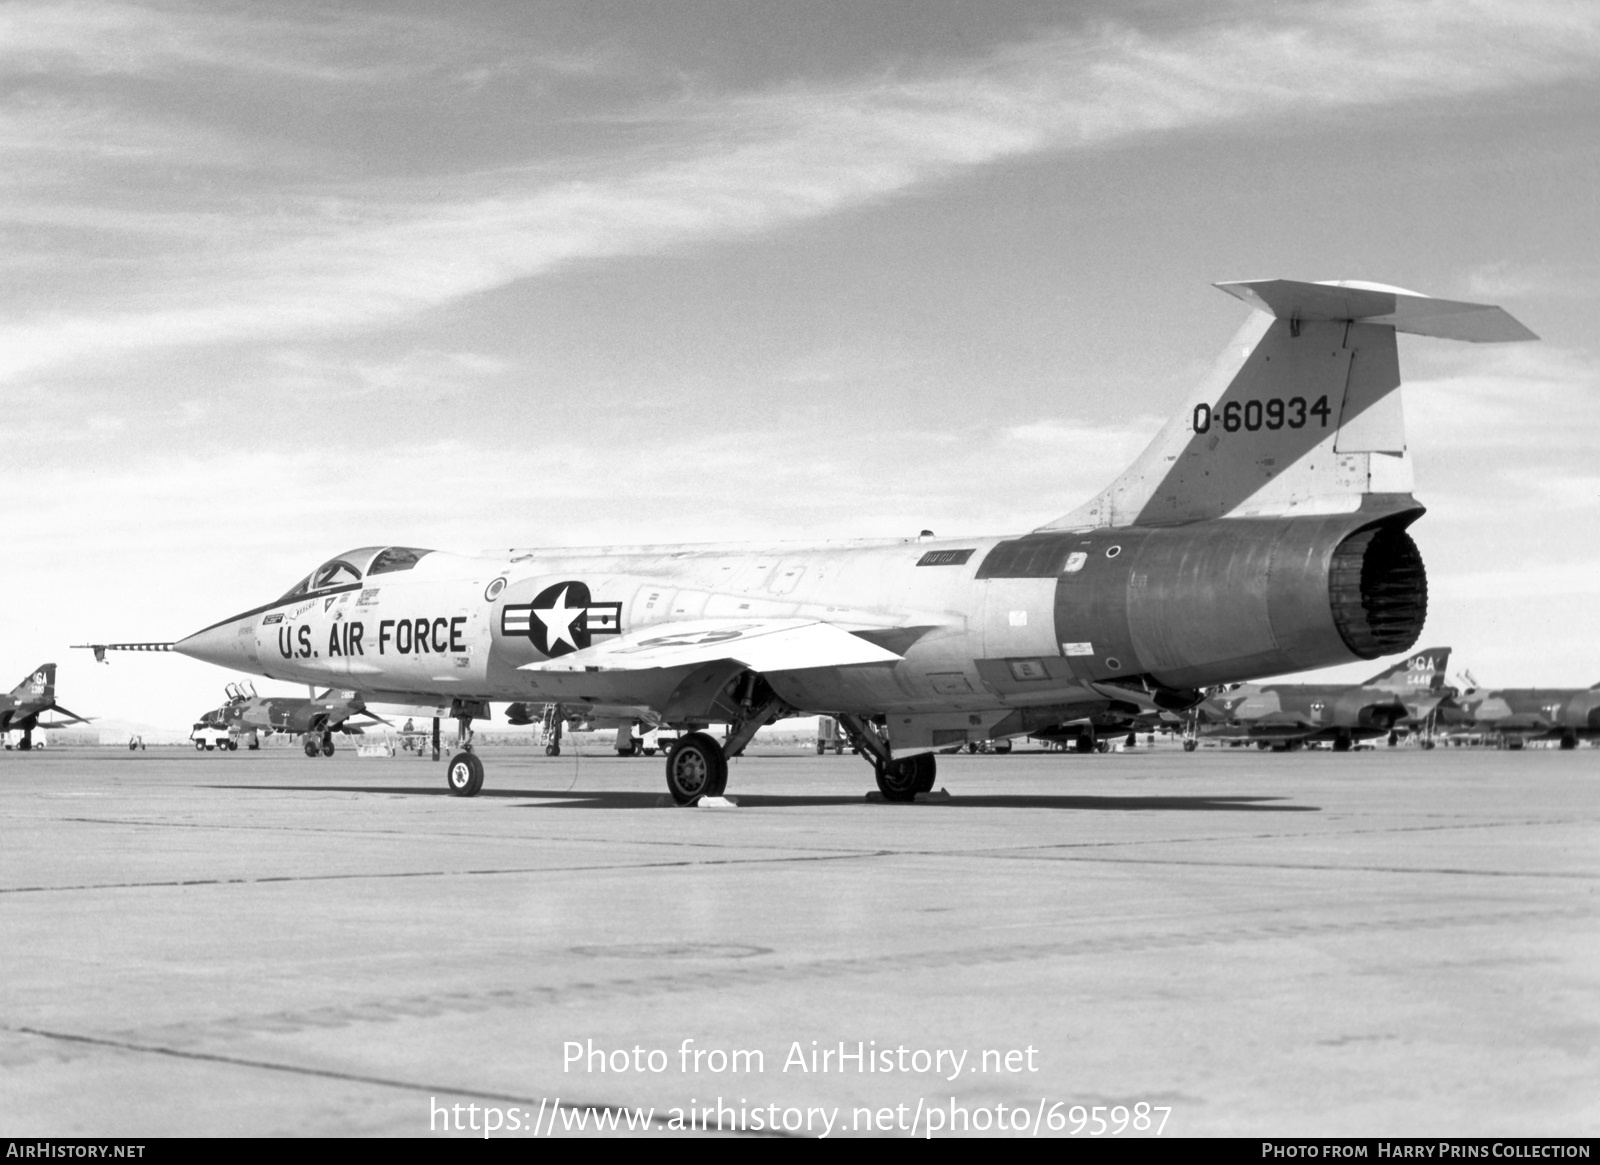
(1300, 415)
(1421, 670)
(39, 684)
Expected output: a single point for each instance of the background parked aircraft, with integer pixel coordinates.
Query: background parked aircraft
(1289, 715)
(21, 708)
(317, 718)
(1516, 715)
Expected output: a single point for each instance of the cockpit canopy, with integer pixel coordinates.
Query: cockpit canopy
(351, 568)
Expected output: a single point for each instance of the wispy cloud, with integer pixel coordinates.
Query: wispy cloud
(728, 165)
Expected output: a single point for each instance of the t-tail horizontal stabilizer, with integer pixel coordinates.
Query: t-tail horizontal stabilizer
(1299, 415)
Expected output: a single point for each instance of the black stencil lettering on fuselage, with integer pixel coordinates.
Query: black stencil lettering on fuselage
(945, 558)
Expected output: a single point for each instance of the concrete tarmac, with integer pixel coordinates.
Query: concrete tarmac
(1389, 943)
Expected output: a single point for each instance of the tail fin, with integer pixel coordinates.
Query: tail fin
(1299, 415)
(40, 684)
(1421, 671)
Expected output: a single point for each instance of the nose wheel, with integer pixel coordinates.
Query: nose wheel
(464, 775)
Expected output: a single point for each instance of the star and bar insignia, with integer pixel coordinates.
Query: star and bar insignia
(561, 619)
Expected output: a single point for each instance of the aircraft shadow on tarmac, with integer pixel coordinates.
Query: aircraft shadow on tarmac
(615, 799)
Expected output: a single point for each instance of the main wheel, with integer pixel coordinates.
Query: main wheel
(464, 775)
(1190, 745)
(311, 747)
(1102, 746)
(1002, 746)
(552, 750)
(1341, 744)
(1085, 743)
(327, 746)
(902, 780)
(233, 745)
(696, 767)
(1568, 743)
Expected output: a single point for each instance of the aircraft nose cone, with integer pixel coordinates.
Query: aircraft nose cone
(222, 644)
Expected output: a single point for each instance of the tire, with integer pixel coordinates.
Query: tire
(1190, 745)
(1084, 744)
(1342, 744)
(1568, 743)
(463, 776)
(1002, 747)
(132, 747)
(233, 746)
(696, 767)
(821, 748)
(1102, 746)
(552, 750)
(327, 746)
(199, 746)
(902, 780)
(310, 747)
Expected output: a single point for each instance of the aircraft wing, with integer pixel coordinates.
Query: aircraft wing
(1281, 720)
(765, 645)
(71, 718)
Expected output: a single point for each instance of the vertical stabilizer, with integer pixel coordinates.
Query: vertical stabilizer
(1421, 671)
(40, 684)
(1300, 415)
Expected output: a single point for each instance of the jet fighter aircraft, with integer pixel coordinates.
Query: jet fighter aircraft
(35, 695)
(1286, 716)
(317, 717)
(1262, 531)
(1517, 715)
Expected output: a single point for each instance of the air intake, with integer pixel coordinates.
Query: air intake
(1379, 591)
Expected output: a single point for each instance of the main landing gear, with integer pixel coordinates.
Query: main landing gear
(697, 767)
(898, 780)
(317, 744)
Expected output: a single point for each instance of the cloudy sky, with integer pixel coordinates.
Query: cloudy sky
(280, 280)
